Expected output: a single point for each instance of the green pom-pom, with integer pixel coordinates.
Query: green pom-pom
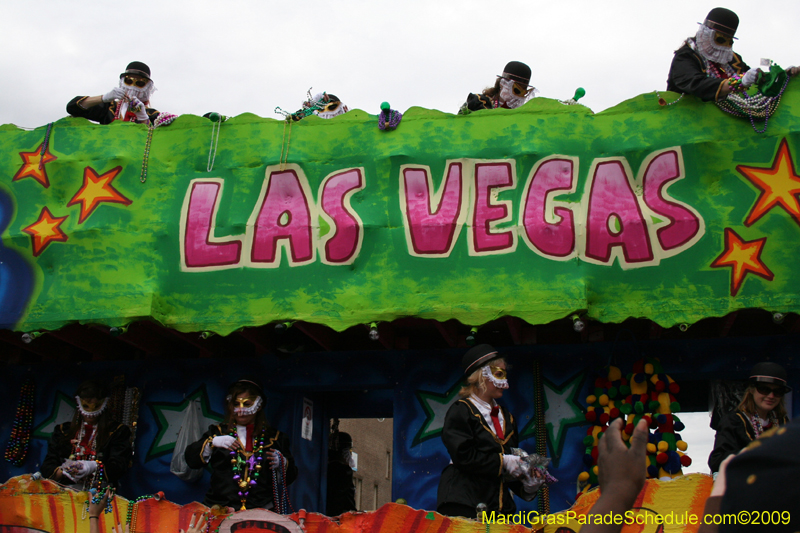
(675, 407)
(385, 106)
(654, 405)
(612, 392)
(625, 408)
(588, 440)
(624, 390)
(639, 407)
(599, 391)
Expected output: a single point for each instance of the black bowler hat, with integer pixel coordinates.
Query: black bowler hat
(341, 441)
(519, 72)
(767, 372)
(723, 20)
(478, 356)
(136, 68)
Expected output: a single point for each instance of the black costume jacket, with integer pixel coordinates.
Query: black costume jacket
(103, 113)
(734, 433)
(116, 455)
(476, 102)
(476, 473)
(341, 490)
(224, 490)
(688, 75)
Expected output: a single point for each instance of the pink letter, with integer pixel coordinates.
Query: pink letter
(611, 196)
(554, 239)
(487, 177)
(429, 231)
(199, 249)
(342, 246)
(683, 224)
(284, 199)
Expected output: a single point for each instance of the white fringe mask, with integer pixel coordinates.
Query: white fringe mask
(709, 49)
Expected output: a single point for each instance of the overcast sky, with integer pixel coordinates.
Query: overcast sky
(249, 56)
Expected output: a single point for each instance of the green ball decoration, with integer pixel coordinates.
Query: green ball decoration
(580, 92)
(385, 106)
(214, 117)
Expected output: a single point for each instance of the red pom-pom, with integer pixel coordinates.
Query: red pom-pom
(604, 418)
(591, 416)
(674, 388)
(594, 453)
(662, 458)
(614, 413)
(686, 460)
(599, 383)
(660, 386)
(623, 381)
(629, 429)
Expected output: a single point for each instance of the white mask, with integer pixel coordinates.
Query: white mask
(507, 95)
(709, 49)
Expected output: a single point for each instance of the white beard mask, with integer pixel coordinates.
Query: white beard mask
(91, 414)
(499, 383)
(350, 461)
(253, 409)
(507, 95)
(709, 49)
(142, 94)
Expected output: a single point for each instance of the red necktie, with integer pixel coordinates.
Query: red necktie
(249, 446)
(496, 422)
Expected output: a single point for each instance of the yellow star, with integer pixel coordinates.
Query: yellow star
(96, 189)
(743, 257)
(45, 230)
(779, 185)
(33, 166)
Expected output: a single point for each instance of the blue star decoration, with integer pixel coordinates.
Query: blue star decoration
(435, 406)
(562, 412)
(169, 417)
(62, 411)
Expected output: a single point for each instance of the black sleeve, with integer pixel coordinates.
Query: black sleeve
(193, 454)
(118, 453)
(152, 114)
(56, 448)
(686, 75)
(99, 113)
(731, 437)
(460, 440)
(285, 448)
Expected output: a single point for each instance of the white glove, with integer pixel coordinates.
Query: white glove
(512, 464)
(750, 77)
(276, 459)
(137, 107)
(223, 441)
(117, 93)
(77, 470)
(68, 469)
(531, 482)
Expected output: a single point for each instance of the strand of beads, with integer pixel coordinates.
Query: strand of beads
(43, 151)
(247, 471)
(20, 438)
(280, 493)
(133, 509)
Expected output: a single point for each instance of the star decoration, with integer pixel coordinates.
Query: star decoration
(435, 405)
(63, 410)
(97, 189)
(31, 162)
(779, 186)
(169, 418)
(562, 412)
(743, 257)
(45, 230)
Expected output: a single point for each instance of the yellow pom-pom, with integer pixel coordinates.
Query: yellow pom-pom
(663, 446)
(651, 448)
(591, 399)
(595, 470)
(583, 476)
(648, 368)
(614, 373)
(603, 399)
(589, 409)
(681, 445)
(625, 437)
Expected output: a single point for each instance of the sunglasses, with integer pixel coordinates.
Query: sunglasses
(135, 81)
(722, 39)
(499, 373)
(766, 390)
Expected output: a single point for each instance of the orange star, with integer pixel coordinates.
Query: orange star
(96, 189)
(45, 230)
(31, 163)
(779, 185)
(742, 257)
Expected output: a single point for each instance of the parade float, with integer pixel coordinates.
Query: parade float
(349, 267)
